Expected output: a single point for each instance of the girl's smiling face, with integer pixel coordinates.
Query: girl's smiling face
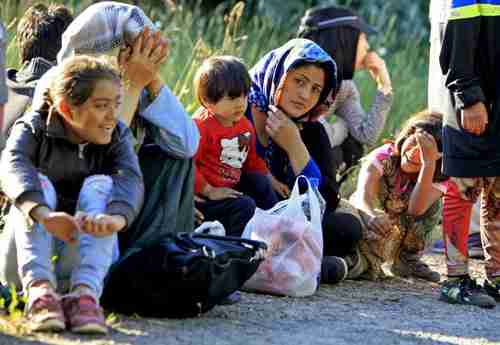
(301, 90)
(95, 120)
(410, 155)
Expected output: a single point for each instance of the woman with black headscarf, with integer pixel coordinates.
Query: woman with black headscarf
(343, 35)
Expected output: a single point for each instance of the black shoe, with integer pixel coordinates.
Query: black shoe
(333, 270)
(233, 298)
(464, 290)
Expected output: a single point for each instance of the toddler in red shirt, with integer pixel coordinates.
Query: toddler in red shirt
(231, 179)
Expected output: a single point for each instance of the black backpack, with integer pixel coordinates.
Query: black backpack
(183, 276)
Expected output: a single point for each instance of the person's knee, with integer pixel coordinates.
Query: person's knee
(245, 206)
(95, 193)
(345, 226)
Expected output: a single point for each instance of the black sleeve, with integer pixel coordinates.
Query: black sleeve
(458, 61)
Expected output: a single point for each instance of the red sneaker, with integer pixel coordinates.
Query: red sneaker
(84, 314)
(45, 313)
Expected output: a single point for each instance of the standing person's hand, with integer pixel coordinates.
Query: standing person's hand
(475, 118)
(281, 129)
(378, 71)
(141, 62)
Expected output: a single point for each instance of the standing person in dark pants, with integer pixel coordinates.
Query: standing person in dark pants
(230, 176)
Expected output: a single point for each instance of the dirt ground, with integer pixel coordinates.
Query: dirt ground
(354, 312)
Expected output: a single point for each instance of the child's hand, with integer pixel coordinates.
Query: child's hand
(62, 225)
(101, 225)
(214, 193)
(280, 188)
(428, 148)
(198, 216)
(141, 63)
(475, 118)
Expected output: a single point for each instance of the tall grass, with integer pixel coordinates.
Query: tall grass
(195, 37)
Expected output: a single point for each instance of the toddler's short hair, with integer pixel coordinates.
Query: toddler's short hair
(221, 76)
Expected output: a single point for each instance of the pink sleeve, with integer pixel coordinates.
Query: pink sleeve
(377, 156)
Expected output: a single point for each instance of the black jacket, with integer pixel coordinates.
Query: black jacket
(39, 143)
(469, 58)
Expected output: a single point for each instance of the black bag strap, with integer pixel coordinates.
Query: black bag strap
(253, 243)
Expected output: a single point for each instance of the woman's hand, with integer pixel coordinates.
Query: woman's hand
(378, 71)
(429, 152)
(280, 188)
(100, 225)
(282, 130)
(141, 62)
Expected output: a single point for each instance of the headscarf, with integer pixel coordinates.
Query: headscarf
(103, 27)
(99, 29)
(336, 30)
(269, 74)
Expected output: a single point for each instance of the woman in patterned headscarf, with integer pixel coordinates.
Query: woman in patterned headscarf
(289, 88)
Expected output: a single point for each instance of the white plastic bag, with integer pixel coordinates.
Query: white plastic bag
(292, 232)
(211, 228)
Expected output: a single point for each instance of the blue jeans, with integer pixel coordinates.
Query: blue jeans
(85, 263)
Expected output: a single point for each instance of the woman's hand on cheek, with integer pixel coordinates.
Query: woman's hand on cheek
(378, 70)
(281, 129)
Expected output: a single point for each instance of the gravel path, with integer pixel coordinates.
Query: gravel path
(355, 312)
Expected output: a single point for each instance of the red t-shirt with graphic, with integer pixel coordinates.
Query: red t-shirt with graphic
(225, 152)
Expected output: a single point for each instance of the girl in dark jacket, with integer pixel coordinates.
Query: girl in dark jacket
(71, 171)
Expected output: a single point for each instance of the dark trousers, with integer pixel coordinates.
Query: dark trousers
(341, 231)
(168, 199)
(234, 214)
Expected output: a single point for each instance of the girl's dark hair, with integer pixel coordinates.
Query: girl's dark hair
(76, 80)
(427, 121)
(340, 42)
(221, 76)
(40, 30)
